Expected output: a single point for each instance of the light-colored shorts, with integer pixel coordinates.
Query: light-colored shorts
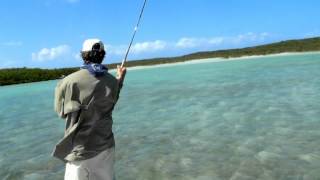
(99, 167)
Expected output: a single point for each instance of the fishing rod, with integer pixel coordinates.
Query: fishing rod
(134, 34)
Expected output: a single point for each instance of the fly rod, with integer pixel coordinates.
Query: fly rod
(134, 34)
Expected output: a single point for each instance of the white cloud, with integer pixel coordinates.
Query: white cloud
(12, 43)
(137, 48)
(249, 37)
(46, 54)
(149, 46)
(187, 42)
(196, 42)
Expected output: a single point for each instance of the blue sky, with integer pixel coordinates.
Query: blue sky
(50, 33)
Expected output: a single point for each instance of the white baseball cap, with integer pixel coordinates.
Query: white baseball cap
(88, 45)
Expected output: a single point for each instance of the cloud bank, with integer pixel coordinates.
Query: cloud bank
(189, 43)
(156, 47)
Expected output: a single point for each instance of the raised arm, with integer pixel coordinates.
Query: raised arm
(121, 73)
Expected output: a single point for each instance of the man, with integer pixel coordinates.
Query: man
(85, 99)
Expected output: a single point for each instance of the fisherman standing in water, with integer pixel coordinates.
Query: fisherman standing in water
(86, 99)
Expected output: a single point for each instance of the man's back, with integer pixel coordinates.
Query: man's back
(98, 95)
(85, 99)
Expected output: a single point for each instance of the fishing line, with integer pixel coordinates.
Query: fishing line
(134, 34)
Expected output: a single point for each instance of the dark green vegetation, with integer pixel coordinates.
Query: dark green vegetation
(24, 75)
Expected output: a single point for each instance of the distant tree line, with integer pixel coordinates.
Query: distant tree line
(25, 75)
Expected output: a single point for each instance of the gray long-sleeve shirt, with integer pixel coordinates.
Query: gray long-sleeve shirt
(86, 103)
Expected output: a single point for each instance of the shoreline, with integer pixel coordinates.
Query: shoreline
(217, 59)
(193, 61)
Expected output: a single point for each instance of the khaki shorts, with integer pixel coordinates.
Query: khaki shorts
(99, 167)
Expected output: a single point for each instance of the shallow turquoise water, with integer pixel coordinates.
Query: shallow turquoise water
(257, 118)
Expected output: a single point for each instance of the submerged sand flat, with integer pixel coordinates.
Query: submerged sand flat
(254, 118)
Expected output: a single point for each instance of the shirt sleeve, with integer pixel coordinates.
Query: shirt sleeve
(118, 88)
(59, 99)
